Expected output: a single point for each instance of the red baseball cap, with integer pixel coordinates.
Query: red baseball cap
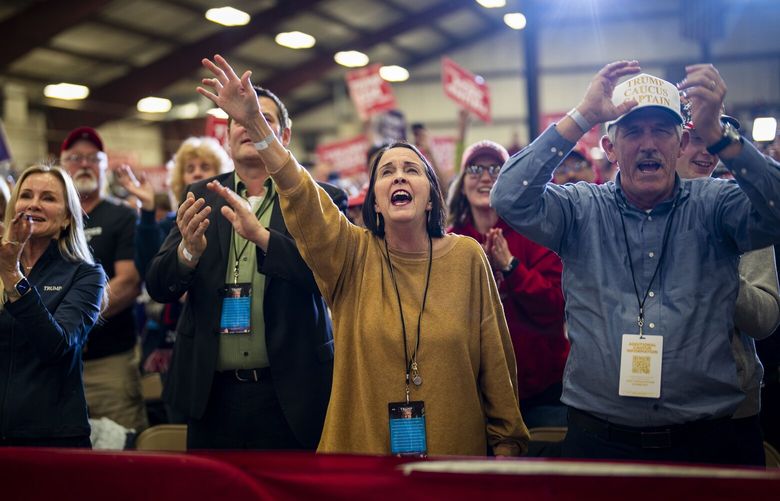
(484, 147)
(358, 199)
(82, 134)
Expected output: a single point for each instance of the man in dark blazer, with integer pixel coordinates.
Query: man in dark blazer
(261, 387)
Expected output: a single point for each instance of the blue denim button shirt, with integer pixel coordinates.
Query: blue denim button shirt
(692, 299)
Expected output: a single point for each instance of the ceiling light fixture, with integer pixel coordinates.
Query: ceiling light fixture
(492, 4)
(515, 20)
(66, 91)
(764, 129)
(228, 16)
(394, 73)
(186, 111)
(295, 40)
(351, 58)
(154, 105)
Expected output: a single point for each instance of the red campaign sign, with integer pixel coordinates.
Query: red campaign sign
(443, 151)
(468, 90)
(348, 157)
(217, 128)
(370, 92)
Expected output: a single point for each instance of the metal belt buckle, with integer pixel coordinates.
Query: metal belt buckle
(246, 380)
(656, 439)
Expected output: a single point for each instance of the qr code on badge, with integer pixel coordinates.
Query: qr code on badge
(640, 365)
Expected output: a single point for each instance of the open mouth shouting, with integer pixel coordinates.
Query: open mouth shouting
(400, 198)
(649, 166)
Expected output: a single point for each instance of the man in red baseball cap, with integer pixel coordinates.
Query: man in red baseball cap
(111, 378)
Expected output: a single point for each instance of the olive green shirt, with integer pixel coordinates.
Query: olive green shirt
(248, 351)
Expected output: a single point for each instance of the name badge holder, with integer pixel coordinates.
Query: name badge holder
(407, 429)
(236, 315)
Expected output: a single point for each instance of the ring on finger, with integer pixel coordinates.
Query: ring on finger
(713, 84)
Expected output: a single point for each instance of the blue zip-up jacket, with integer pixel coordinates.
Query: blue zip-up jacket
(41, 337)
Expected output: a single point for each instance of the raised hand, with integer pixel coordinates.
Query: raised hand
(13, 241)
(705, 89)
(234, 95)
(192, 220)
(596, 106)
(140, 187)
(239, 213)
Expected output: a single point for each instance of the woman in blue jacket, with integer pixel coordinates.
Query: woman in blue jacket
(52, 296)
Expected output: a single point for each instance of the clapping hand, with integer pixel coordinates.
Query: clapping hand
(239, 213)
(497, 249)
(192, 221)
(13, 241)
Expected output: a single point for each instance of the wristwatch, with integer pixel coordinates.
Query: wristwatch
(21, 288)
(729, 137)
(510, 267)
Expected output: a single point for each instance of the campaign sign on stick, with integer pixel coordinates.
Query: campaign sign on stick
(347, 157)
(468, 90)
(370, 93)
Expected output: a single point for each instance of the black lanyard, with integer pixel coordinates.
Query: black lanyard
(258, 214)
(411, 365)
(641, 302)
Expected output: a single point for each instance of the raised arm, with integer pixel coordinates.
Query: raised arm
(750, 216)
(522, 195)
(324, 237)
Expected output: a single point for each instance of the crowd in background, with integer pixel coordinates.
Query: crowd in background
(282, 313)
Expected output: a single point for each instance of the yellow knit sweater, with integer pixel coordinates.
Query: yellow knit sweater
(465, 357)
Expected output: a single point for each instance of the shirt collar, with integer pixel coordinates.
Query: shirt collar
(240, 187)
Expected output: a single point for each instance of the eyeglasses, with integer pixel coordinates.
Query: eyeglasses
(79, 159)
(572, 167)
(477, 170)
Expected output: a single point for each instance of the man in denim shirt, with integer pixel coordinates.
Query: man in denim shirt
(650, 265)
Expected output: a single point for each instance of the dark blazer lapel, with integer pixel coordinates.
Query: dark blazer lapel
(276, 223)
(224, 228)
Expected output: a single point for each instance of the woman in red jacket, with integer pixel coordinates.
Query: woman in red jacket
(529, 281)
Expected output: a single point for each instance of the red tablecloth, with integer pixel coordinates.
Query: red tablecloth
(84, 475)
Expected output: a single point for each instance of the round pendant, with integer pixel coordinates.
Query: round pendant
(417, 380)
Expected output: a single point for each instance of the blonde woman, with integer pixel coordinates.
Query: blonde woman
(197, 158)
(52, 296)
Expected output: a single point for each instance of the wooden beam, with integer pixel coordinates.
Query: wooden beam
(39, 23)
(184, 60)
(310, 70)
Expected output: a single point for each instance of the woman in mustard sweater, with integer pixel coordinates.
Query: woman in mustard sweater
(424, 361)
